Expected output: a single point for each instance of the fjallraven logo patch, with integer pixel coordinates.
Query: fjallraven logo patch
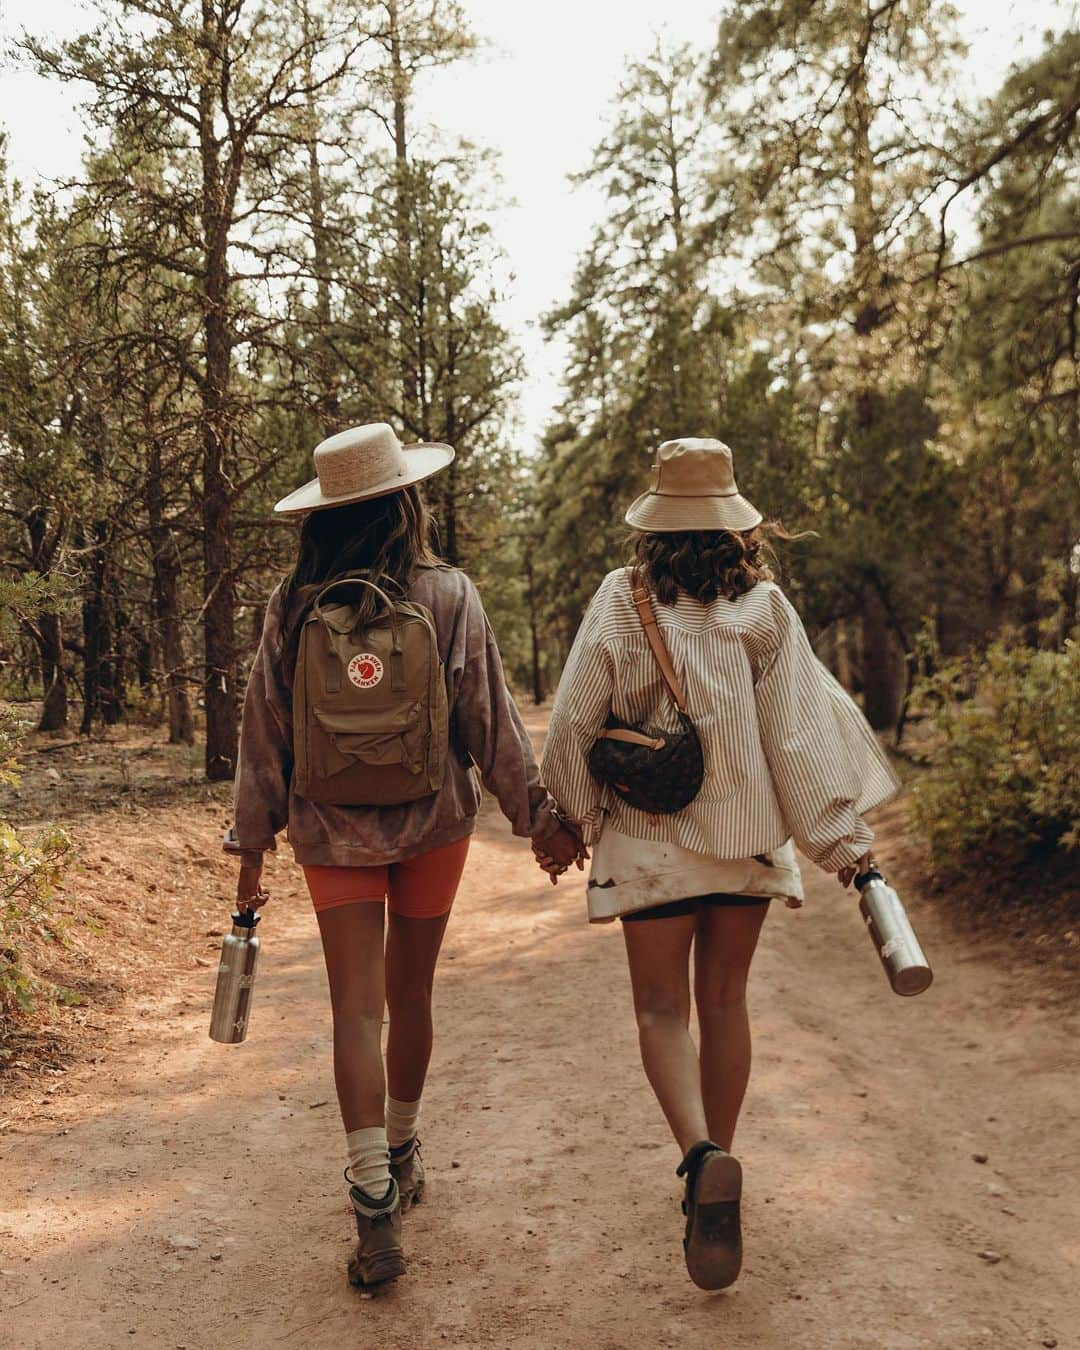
(365, 670)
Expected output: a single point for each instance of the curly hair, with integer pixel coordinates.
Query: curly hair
(707, 564)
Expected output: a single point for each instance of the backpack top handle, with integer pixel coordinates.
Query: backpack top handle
(388, 604)
(397, 655)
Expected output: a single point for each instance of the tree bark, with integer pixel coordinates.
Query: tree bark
(54, 708)
(881, 676)
(165, 603)
(329, 403)
(49, 632)
(174, 661)
(98, 634)
(114, 688)
(449, 522)
(219, 584)
(399, 81)
(534, 631)
(881, 682)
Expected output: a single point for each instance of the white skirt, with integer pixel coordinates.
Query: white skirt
(628, 874)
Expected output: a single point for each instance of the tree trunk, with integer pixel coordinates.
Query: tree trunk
(450, 435)
(534, 632)
(218, 580)
(844, 672)
(97, 623)
(144, 661)
(168, 637)
(449, 529)
(166, 603)
(219, 584)
(54, 709)
(880, 666)
(49, 633)
(114, 687)
(881, 680)
(399, 84)
(329, 404)
(681, 317)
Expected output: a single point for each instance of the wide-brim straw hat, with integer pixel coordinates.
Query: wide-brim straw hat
(693, 488)
(364, 462)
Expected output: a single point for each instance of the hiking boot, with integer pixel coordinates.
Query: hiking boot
(713, 1241)
(378, 1256)
(407, 1169)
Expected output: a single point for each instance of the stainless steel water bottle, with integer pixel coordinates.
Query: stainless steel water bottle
(890, 928)
(236, 980)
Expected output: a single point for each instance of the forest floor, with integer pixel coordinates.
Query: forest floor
(910, 1164)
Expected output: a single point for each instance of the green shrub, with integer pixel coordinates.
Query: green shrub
(1004, 781)
(29, 872)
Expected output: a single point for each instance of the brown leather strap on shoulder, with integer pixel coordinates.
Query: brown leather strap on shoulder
(643, 602)
(632, 737)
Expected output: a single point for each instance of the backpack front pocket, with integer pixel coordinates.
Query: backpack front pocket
(379, 737)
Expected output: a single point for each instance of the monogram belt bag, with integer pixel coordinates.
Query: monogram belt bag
(649, 768)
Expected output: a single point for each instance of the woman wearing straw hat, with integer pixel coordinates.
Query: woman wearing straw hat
(363, 516)
(784, 754)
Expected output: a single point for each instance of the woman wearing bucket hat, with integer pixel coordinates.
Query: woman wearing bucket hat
(374, 856)
(785, 755)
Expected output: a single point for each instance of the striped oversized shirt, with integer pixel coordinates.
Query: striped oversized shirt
(787, 752)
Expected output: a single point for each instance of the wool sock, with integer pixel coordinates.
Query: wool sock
(401, 1121)
(369, 1160)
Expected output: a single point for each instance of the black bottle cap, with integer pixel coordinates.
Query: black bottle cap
(865, 878)
(248, 919)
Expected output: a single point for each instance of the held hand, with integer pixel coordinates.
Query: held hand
(563, 845)
(249, 890)
(847, 875)
(548, 864)
(556, 851)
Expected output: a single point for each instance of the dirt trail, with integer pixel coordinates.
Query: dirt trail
(184, 1194)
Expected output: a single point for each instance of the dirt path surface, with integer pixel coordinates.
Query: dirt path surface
(178, 1193)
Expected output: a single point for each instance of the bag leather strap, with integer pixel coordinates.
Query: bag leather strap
(639, 593)
(632, 737)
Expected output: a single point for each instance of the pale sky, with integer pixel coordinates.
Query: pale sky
(539, 96)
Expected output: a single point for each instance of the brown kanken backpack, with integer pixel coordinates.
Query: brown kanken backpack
(370, 724)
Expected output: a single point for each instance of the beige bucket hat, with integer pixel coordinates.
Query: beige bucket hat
(693, 488)
(364, 462)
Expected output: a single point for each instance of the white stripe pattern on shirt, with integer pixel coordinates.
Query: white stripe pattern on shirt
(787, 752)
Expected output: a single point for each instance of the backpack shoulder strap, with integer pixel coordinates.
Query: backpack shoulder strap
(639, 593)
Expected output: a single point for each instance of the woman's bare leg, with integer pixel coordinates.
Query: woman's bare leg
(352, 938)
(412, 950)
(726, 939)
(658, 951)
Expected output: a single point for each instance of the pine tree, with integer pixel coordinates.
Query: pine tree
(204, 88)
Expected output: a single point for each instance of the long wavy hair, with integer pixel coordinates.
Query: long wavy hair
(384, 538)
(708, 564)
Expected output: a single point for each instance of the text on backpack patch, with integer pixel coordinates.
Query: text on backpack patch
(365, 670)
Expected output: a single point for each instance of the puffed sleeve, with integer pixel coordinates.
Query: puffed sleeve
(264, 762)
(488, 726)
(581, 709)
(826, 765)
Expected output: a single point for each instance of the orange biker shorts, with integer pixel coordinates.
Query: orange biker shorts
(418, 888)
